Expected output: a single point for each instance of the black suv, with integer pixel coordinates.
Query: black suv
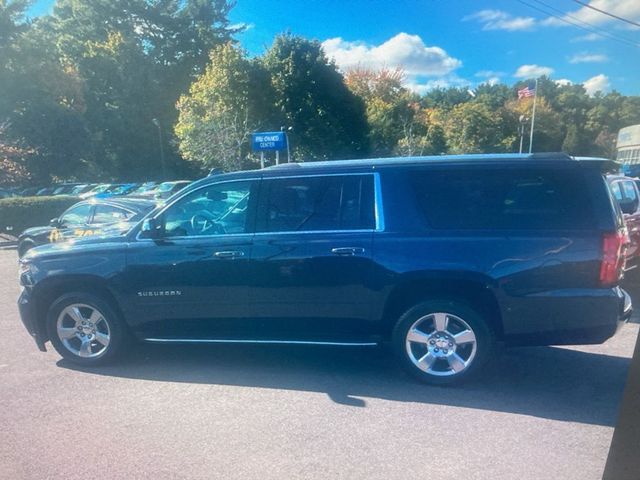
(442, 257)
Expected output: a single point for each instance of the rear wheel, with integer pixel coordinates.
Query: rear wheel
(85, 329)
(442, 341)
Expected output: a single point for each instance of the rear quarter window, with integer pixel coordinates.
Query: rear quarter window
(503, 199)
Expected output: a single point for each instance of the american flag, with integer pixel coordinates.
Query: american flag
(526, 92)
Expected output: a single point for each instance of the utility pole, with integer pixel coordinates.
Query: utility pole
(521, 130)
(286, 136)
(156, 122)
(533, 117)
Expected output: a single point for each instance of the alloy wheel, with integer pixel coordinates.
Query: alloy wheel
(441, 344)
(83, 330)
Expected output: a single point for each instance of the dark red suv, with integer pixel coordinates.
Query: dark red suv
(625, 190)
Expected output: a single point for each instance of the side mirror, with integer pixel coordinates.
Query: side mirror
(54, 222)
(150, 228)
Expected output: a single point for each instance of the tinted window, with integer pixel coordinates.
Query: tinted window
(109, 214)
(215, 210)
(617, 191)
(629, 191)
(317, 203)
(77, 215)
(502, 199)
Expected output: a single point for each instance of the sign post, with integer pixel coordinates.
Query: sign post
(270, 142)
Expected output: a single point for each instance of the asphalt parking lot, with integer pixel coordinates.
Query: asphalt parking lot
(273, 412)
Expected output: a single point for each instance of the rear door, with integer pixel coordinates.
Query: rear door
(311, 260)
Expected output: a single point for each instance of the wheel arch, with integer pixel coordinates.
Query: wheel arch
(474, 290)
(47, 291)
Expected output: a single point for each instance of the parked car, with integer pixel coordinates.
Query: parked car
(29, 191)
(82, 188)
(117, 190)
(45, 191)
(64, 188)
(99, 188)
(143, 188)
(87, 218)
(625, 190)
(443, 257)
(166, 189)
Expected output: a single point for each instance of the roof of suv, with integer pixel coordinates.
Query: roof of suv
(359, 165)
(449, 159)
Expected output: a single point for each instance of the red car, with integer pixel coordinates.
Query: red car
(625, 190)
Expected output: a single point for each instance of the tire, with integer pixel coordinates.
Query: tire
(438, 355)
(24, 246)
(98, 341)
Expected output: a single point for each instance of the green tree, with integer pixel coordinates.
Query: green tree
(390, 107)
(473, 127)
(42, 102)
(326, 119)
(136, 58)
(224, 105)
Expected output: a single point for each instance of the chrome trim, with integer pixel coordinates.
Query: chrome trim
(267, 342)
(378, 210)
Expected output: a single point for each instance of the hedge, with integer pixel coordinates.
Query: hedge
(20, 213)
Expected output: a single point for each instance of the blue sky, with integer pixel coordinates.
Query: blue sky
(458, 42)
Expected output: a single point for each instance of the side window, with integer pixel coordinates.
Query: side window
(77, 215)
(317, 204)
(616, 190)
(630, 203)
(505, 199)
(215, 210)
(109, 214)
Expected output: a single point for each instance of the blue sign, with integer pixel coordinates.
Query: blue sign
(266, 141)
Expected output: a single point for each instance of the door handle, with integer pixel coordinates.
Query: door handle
(348, 250)
(228, 254)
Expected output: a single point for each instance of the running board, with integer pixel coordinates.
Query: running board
(267, 342)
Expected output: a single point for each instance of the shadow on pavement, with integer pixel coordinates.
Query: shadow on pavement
(547, 382)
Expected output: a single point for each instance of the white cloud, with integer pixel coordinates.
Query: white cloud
(563, 81)
(423, 86)
(586, 57)
(406, 51)
(623, 8)
(501, 20)
(599, 83)
(532, 71)
(492, 81)
(589, 37)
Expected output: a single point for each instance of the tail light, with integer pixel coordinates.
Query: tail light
(614, 246)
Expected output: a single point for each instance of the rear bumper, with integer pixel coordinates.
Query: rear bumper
(27, 309)
(580, 334)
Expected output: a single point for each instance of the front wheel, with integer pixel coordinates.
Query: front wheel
(442, 341)
(85, 329)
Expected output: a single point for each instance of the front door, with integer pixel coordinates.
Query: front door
(192, 281)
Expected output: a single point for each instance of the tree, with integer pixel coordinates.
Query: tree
(473, 127)
(224, 105)
(548, 134)
(326, 119)
(390, 107)
(42, 101)
(136, 57)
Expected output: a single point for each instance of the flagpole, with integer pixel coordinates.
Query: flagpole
(533, 117)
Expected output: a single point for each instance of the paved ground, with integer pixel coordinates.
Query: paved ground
(274, 413)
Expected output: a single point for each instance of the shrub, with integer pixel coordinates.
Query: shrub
(20, 213)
